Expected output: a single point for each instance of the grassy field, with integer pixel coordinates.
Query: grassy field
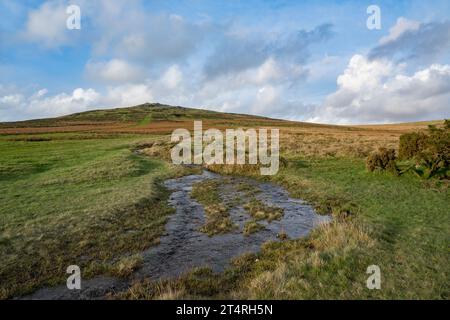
(87, 200)
(72, 189)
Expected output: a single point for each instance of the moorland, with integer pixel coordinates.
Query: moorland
(88, 187)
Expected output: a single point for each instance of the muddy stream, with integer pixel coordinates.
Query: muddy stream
(183, 247)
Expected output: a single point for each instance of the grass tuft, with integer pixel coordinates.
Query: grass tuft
(218, 220)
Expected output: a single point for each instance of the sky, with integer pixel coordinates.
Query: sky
(311, 61)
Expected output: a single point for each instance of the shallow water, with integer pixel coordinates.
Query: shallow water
(183, 247)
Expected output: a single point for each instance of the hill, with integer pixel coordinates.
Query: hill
(160, 118)
(145, 118)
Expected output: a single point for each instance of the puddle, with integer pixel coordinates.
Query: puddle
(183, 247)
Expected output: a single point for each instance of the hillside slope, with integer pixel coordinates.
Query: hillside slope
(145, 118)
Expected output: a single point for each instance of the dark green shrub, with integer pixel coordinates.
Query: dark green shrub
(434, 159)
(430, 152)
(383, 159)
(411, 144)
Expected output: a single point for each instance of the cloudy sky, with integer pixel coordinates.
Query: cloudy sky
(300, 60)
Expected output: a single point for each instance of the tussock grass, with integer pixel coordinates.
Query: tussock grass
(303, 269)
(252, 226)
(217, 217)
(199, 283)
(260, 211)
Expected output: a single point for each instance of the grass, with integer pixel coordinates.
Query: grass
(84, 202)
(146, 121)
(252, 226)
(127, 265)
(197, 284)
(218, 220)
(260, 211)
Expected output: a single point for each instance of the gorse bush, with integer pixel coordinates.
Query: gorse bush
(383, 159)
(411, 144)
(430, 151)
(434, 159)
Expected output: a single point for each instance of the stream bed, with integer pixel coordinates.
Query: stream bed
(183, 247)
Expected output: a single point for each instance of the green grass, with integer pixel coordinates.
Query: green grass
(84, 202)
(146, 121)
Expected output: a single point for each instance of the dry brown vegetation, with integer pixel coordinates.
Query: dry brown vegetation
(260, 211)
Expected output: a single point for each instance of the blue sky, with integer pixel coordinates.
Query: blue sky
(301, 60)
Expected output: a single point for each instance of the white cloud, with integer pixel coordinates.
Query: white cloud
(326, 68)
(128, 95)
(47, 25)
(378, 91)
(266, 98)
(263, 89)
(172, 77)
(274, 71)
(114, 71)
(270, 72)
(147, 37)
(364, 75)
(13, 99)
(40, 93)
(123, 28)
(61, 104)
(403, 25)
(18, 107)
